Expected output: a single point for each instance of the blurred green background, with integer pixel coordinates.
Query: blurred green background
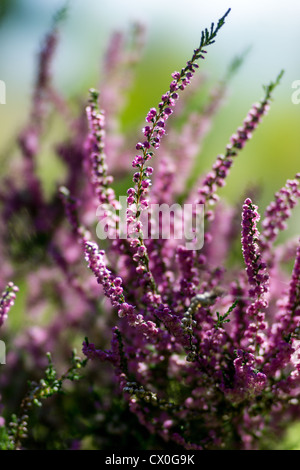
(269, 28)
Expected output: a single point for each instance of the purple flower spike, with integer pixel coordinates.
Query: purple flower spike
(257, 274)
(256, 269)
(293, 305)
(277, 213)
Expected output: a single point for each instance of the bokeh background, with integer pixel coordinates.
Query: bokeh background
(268, 30)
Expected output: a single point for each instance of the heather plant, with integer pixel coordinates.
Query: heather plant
(183, 346)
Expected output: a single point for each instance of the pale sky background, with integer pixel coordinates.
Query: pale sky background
(270, 27)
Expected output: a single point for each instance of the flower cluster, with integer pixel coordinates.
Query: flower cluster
(7, 301)
(255, 267)
(294, 291)
(199, 349)
(258, 277)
